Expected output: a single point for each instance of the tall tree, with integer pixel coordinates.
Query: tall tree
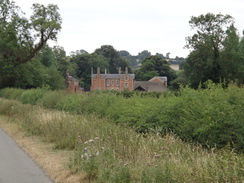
(21, 39)
(62, 61)
(115, 61)
(240, 74)
(111, 55)
(230, 61)
(203, 63)
(52, 76)
(132, 59)
(155, 66)
(47, 56)
(84, 63)
(144, 54)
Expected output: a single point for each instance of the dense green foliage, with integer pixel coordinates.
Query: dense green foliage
(155, 66)
(114, 60)
(21, 39)
(105, 152)
(105, 57)
(41, 71)
(216, 50)
(84, 64)
(212, 117)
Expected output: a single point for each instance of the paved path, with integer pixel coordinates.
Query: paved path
(16, 166)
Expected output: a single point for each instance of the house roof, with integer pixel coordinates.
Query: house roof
(114, 76)
(149, 86)
(162, 78)
(71, 78)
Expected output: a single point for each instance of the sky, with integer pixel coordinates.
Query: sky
(158, 26)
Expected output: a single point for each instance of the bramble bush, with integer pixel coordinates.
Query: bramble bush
(105, 152)
(212, 116)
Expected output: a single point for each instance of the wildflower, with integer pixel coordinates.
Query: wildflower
(149, 164)
(85, 150)
(91, 141)
(125, 164)
(85, 156)
(79, 140)
(157, 156)
(86, 142)
(96, 138)
(97, 153)
(102, 148)
(164, 148)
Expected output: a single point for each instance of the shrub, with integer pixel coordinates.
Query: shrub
(105, 152)
(11, 93)
(212, 116)
(51, 98)
(31, 96)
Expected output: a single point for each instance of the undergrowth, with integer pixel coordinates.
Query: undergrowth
(212, 116)
(107, 152)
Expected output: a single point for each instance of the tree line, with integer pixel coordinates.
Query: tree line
(26, 60)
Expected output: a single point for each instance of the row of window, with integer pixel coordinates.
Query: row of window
(117, 83)
(112, 83)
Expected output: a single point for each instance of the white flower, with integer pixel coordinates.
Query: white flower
(97, 153)
(91, 141)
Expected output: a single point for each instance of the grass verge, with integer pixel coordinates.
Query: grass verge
(105, 152)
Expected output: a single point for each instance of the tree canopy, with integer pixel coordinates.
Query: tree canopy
(21, 39)
(114, 59)
(155, 66)
(214, 46)
(84, 63)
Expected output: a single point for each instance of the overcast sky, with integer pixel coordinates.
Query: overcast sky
(158, 26)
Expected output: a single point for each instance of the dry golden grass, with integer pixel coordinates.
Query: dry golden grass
(53, 162)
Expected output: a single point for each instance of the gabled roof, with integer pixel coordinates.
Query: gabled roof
(149, 86)
(71, 78)
(162, 78)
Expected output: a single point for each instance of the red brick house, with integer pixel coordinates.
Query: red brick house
(73, 84)
(118, 82)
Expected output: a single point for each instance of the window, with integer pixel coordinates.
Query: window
(126, 85)
(112, 82)
(126, 78)
(107, 83)
(117, 82)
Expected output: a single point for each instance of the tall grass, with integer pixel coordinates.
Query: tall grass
(107, 152)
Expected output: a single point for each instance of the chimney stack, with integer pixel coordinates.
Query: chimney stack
(119, 70)
(98, 71)
(126, 70)
(105, 71)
